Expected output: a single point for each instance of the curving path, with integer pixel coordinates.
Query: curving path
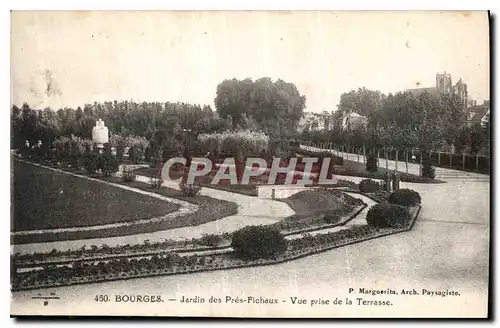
(251, 211)
(441, 172)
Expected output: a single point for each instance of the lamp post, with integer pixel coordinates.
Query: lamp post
(100, 135)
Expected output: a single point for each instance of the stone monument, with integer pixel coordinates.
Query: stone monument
(100, 134)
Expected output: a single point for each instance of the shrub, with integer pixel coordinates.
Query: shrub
(132, 155)
(371, 163)
(189, 190)
(156, 161)
(428, 170)
(344, 183)
(90, 161)
(148, 153)
(254, 242)
(405, 197)
(108, 164)
(388, 216)
(249, 143)
(155, 182)
(128, 174)
(210, 240)
(368, 185)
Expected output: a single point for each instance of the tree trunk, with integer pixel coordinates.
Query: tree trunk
(406, 160)
(386, 160)
(420, 168)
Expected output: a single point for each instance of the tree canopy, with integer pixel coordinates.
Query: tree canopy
(275, 107)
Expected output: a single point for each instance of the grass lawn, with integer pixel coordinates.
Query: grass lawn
(36, 192)
(45, 199)
(211, 209)
(309, 201)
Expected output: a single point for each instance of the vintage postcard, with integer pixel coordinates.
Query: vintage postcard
(265, 164)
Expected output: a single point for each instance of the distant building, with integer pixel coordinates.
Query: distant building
(477, 114)
(471, 103)
(443, 86)
(353, 121)
(315, 122)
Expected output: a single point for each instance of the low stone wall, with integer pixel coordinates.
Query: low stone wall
(279, 191)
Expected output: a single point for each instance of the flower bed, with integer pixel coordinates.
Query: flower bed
(168, 263)
(329, 204)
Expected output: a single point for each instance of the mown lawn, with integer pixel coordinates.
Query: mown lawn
(45, 199)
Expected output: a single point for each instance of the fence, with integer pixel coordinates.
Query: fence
(463, 162)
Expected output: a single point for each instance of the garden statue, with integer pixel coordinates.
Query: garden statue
(27, 144)
(387, 184)
(113, 151)
(395, 180)
(100, 134)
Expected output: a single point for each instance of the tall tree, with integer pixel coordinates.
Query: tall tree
(362, 101)
(276, 107)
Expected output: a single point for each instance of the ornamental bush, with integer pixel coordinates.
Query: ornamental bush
(249, 143)
(428, 171)
(108, 163)
(210, 240)
(388, 216)
(371, 163)
(369, 186)
(254, 242)
(90, 161)
(189, 190)
(128, 174)
(155, 183)
(405, 197)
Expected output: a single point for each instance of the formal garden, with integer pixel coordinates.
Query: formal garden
(249, 246)
(69, 186)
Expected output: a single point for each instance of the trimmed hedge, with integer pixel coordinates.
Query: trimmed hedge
(405, 197)
(371, 163)
(254, 242)
(369, 186)
(428, 170)
(388, 216)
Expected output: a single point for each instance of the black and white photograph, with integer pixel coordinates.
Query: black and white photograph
(250, 164)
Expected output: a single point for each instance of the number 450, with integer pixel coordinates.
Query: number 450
(101, 298)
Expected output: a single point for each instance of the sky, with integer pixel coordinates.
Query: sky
(69, 59)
